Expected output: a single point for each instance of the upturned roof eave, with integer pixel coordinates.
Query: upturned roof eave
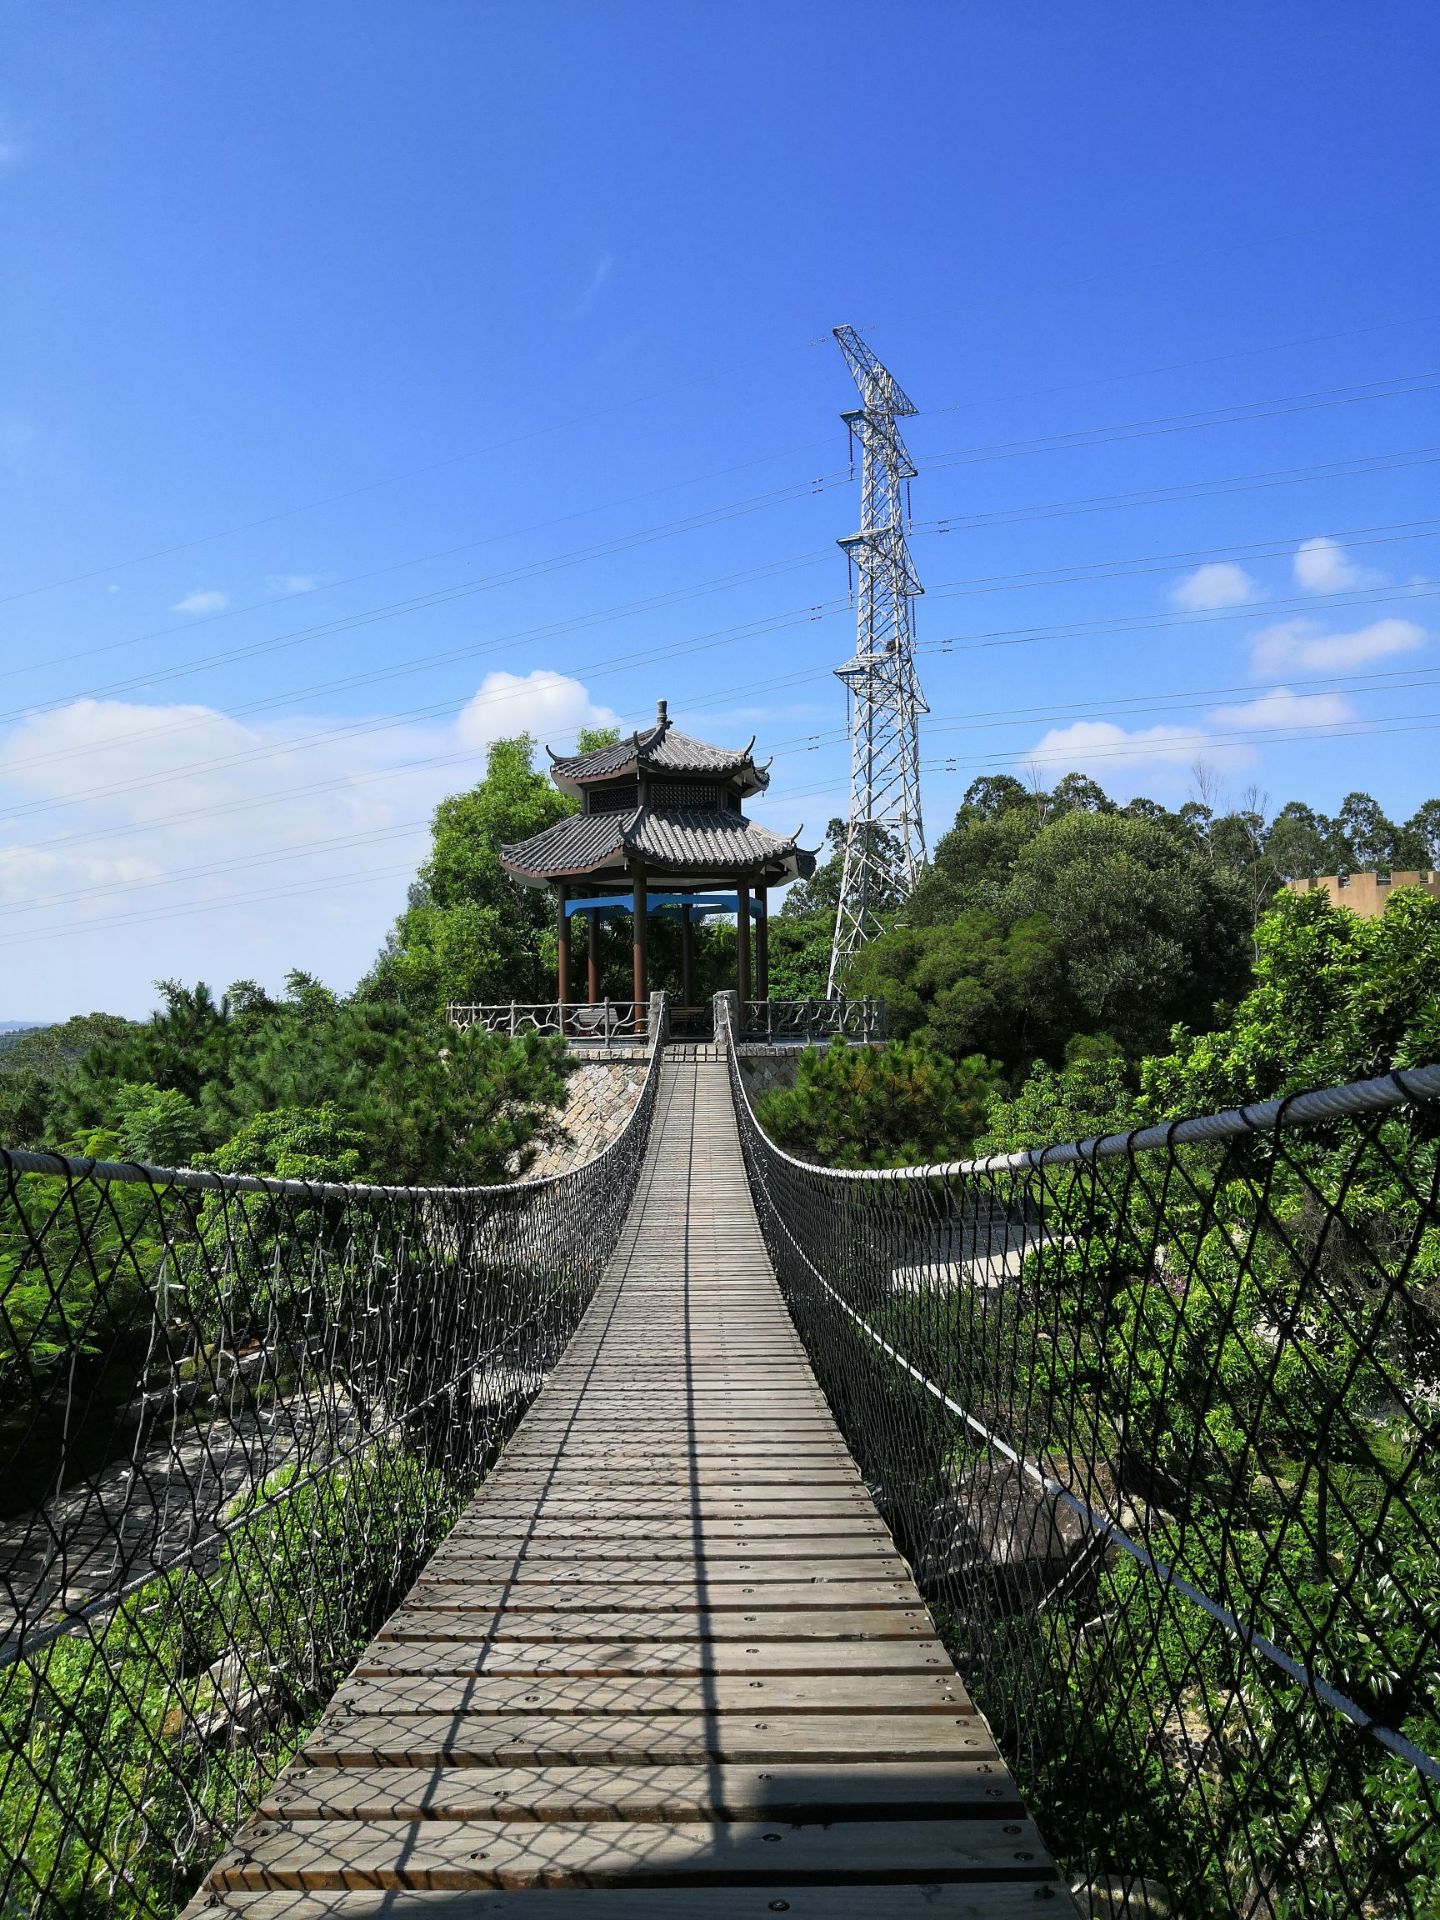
(772, 862)
(798, 865)
(626, 759)
(745, 775)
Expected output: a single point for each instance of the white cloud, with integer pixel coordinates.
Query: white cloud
(1095, 745)
(163, 809)
(291, 582)
(204, 600)
(1221, 583)
(1280, 707)
(34, 875)
(550, 706)
(1303, 645)
(1322, 566)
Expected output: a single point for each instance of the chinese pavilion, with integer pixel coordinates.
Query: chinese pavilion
(660, 829)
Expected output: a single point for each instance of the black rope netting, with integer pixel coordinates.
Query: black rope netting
(1155, 1420)
(236, 1415)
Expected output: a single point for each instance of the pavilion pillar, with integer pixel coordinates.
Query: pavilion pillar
(562, 948)
(592, 957)
(742, 933)
(640, 990)
(762, 945)
(687, 956)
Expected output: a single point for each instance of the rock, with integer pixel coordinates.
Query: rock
(1113, 1897)
(1000, 1522)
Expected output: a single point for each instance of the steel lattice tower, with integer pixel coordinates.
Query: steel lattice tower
(885, 835)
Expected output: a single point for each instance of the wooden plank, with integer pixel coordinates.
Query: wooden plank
(897, 1901)
(558, 1567)
(557, 1556)
(668, 1596)
(461, 1613)
(763, 1510)
(933, 1789)
(471, 1653)
(665, 1535)
(432, 1740)
(489, 1693)
(490, 1853)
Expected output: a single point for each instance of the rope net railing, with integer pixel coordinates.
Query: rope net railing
(1156, 1420)
(236, 1416)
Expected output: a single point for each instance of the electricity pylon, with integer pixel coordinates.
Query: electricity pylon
(884, 835)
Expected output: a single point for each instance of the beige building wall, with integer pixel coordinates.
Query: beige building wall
(1367, 893)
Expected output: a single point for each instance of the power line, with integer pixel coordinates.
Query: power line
(1123, 624)
(1360, 467)
(1186, 366)
(1380, 534)
(351, 682)
(686, 523)
(522, 438)
(1239, 413)
(598, 671)
(1199, 742)
(1385, 680)
(1398, 386)
(304, 888)
(210, 869)
(424, 602)
(1385, 533)
(796, 490)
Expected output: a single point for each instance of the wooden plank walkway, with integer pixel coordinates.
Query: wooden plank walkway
(670, 1662)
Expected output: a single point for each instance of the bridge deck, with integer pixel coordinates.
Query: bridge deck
(670, 1660)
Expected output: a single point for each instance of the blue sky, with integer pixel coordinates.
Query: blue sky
(377, 379)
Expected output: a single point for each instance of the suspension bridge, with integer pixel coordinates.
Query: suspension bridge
(616, 1535)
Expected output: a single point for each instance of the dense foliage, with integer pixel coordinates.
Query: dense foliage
(878, 1107)
(421, 1101)
(1048, 916)
(230, 1668)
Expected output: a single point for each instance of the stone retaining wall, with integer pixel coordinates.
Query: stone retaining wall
(599, 1099)
(763, 1072)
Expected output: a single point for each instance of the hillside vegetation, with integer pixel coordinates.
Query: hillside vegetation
(1080, 966)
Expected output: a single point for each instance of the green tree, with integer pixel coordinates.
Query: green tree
(800, 954)
(1150, 930)
(1298, 842)
(1334, 998)
(430, 1103)
(992, 794)
(182, 1048)
(1090, 1095)
(1078, 793)
(970, 985)
(468, 931)
(294, 1143)
(899, 1105)
(972, 865)
(154, 1126)
(1367, 832)
(1420, 837)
